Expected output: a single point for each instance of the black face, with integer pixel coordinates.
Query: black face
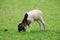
(20, 28)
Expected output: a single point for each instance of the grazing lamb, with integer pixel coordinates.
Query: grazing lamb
(34, 15)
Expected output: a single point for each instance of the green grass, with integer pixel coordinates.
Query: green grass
(12, 13)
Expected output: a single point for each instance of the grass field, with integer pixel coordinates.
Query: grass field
(12, 13)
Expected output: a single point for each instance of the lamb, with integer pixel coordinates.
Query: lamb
(34, 15)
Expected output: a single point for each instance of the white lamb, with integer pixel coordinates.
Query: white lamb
(34, 15)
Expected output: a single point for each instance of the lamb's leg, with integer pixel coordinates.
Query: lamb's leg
(30, 24)
(29, 27)
(40, 25)
(42, 21)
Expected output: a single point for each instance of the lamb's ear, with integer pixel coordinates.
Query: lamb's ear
(25, 17)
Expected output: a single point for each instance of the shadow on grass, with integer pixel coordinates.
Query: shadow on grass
(42, 31)
(35, 31)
